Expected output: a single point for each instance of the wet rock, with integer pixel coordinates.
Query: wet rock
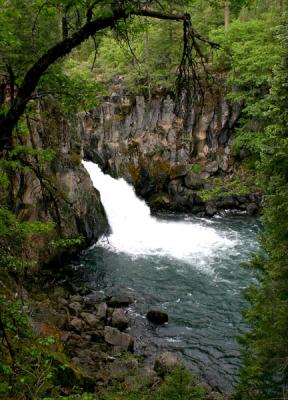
(193, 181)
(167, 362)
(228, 202)
(119, 319)
(121, 300)
(252, 209)
(91, 301)
(242, 199)
(122, 341)
(157, 317)
(75, 308)
(90, 319)
(178, 170)
(212, 167)
(76, 324)
(210, 209)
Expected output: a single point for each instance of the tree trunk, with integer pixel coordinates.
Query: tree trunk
(226, 15)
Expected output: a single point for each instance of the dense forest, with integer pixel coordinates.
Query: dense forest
(68, 55)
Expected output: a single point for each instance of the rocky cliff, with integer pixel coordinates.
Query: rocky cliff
(177, 163)
(55, 187)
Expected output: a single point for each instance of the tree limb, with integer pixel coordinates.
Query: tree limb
(61, 49)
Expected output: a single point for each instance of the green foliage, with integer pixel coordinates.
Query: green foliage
(13, 240)
(250, 50)
(180, 385)
(265, 374)
(196, 168)
(66, 243)
(26, 364)
(240, 185)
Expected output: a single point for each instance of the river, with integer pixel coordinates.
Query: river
(188, 266)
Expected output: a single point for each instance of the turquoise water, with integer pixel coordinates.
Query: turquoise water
(203, 296)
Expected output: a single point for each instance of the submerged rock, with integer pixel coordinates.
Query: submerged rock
(157, 316)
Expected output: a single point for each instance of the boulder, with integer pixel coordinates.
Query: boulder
(178, 170)
(122, 341)
(76, 324)
(121, 300)
(101, 311)
(175, 186)
(167, 362)
(210, 209)
(193, 181)
(252, 209)
(158, 317)
(228, 202)
(212, 167)
(119, 319)
(90, 319)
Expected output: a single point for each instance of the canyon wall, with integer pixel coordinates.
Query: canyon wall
(173, 162)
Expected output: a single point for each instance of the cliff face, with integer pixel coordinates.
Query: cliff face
(125, 133)
(168, 159)
(58, 190)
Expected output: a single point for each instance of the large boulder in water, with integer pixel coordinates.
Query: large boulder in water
(157, 317)
(120, 300)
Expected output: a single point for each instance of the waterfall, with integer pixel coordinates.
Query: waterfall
(137, 233)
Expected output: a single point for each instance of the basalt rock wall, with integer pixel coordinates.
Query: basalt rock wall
(167, 158)
(54, 187)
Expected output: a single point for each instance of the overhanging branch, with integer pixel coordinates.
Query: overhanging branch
(61, 49)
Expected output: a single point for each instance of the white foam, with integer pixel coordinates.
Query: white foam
(137, 233)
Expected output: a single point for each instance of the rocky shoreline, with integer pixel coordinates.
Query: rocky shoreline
(91, 331)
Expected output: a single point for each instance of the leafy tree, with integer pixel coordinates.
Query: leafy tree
(265, 372)
(80, 21)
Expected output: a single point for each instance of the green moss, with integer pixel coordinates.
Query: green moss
(196, 168)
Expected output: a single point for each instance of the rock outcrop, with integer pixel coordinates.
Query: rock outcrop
(167, 158)
(57, 189)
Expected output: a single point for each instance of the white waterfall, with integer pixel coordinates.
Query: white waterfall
(137, 233)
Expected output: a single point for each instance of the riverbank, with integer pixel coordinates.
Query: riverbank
(88, 331)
